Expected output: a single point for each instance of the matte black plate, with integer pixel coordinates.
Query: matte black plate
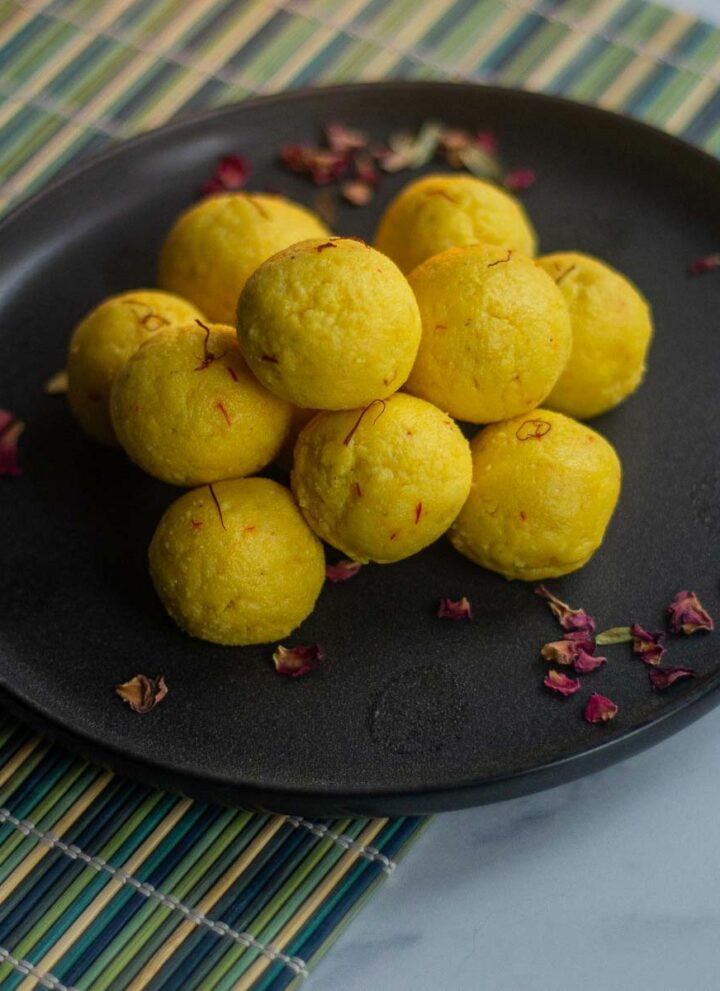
(409, 713)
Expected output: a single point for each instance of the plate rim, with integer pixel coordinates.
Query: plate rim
(694, 704)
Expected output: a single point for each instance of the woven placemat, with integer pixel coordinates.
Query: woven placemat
(105, 884)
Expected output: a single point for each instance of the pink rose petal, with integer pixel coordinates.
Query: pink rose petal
(574, 620)
(10, 430)
(297, 661)
(599, 709)
(662, 678)
(455, 609)
(647, 645)
(342, 570)
(561, 683)
(232, 173)
(687, 614)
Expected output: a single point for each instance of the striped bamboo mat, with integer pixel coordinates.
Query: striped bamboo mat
(105, 884)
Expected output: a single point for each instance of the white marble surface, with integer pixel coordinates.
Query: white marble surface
(612, 882)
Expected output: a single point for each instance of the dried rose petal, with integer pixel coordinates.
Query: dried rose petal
(616, 634)
(706, 264)
(295, 157)
(599, 709)
(10, 430)
(559, 682)
(647, 645)
(142, 693)
(366, 170)
(687, 615)
(519, 179)
(297, 661)
(323, 165)
(576, 620)
(232, 172)
(662, 678)
(342, 570)
(57, 384)
(585, 662)
(357, 192)
(565, 651)
(488, 141)
(343, 139)
(455, 609)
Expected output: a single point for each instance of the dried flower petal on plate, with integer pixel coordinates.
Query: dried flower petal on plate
(297, 661)
(10, 430)
(342, 570)
(408, 151)
(706, 264)
(232, 173)
(687, 614)
(616, 634)
(519, 179)
(599, 709)
(586, 661)
(662, 678)
(565, 651)
(455, 609)
(57, 384)
(561, 683)
(647, 645)
(344, 139)
(357, 192)
(576, 620)
(142, 693)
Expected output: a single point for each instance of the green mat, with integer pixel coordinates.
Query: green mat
(105, 884)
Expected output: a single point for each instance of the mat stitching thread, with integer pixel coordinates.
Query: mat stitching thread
(345, 841)
(28, 828)
(26, 968)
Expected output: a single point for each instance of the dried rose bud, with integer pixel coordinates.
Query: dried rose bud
(519, 179)
(342, 570)
(559, 682)
(57, 384)
(232, 172)
(662, 678)
(142, 693)
(586, 661)
(574, 620)
(599, 709)
(455, 609)
(343, 139)
(297, 661)
(687, 615)
(706, 264)
(647, 645)
(10, 430)
(357, 192)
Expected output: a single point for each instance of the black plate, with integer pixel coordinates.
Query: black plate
(409, 713)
